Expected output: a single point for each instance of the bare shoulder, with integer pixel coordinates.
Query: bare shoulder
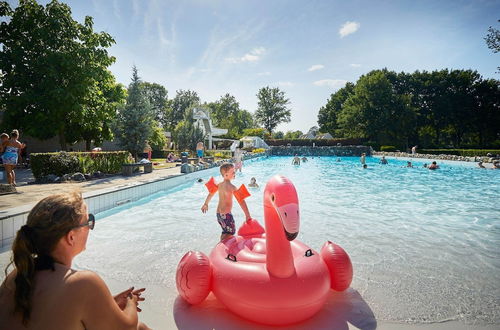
(85, 280)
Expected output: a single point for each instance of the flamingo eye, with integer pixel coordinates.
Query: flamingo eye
(297, 212)
(285, 214)
(272, 197)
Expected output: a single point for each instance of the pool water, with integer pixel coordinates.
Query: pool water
(424, 244)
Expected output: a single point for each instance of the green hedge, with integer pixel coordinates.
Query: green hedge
(388, 148)
(60, 163)
(460, 152)
(317, 142)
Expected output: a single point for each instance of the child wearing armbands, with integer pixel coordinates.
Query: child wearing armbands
(226, 191)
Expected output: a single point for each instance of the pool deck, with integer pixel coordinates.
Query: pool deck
(31, 193)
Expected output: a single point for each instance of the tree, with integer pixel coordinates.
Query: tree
(157, 140)
(99, 110)
(51, 67)
(375, 112)
(157, 96)
(186, 133)
(493, 40)
(278, 135)
(177, 107)
(293, 135)
(272, 108)
(327, 116)
(134, 122)
(226, 113)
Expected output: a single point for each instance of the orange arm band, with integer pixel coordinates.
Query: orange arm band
(241, 193)
(211, 186)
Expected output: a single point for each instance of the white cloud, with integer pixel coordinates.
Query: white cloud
(316, 67)
(355, 65)
(267, 73)
(285, 83)
(253, 56)
(333, 83)
(348, 28)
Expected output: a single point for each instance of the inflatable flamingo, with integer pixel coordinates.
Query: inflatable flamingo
(267, 277)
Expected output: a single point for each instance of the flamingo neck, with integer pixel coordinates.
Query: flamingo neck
(279, 258)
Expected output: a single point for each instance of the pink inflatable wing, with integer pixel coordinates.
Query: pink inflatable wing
(241, 193)
(211, 185)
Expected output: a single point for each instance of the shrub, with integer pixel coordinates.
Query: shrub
(388, 148)
(259, 150)
(60, 163)
(63, 163)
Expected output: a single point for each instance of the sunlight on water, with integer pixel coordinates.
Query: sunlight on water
(424, 244)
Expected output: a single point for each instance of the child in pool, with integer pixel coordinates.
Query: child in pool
(253, 183)
(226, 190)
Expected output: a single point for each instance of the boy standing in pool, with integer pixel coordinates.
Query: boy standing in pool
(226, 191)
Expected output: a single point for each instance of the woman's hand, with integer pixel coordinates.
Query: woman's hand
(129, 295)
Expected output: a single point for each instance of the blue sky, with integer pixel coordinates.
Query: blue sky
(307, 48)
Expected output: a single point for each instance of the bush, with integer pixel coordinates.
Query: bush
(219, 153)
(60, 163)
(388, 148)
(63, 163)
(259, 150)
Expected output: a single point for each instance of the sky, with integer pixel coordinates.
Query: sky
(307, 48)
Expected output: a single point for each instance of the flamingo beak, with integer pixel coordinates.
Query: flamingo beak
(289, 216)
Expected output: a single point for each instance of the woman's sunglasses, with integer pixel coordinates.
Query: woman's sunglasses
(90, 222)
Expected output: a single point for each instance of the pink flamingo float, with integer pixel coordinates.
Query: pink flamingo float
(267, 276)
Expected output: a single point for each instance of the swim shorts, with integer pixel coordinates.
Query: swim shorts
(226, 221)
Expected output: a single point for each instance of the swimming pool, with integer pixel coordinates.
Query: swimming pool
(424, 244)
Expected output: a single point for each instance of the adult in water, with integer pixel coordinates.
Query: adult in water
(44, 292)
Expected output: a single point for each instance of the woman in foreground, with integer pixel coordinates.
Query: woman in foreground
(43, 292)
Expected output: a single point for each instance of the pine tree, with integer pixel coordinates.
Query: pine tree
(134, 122)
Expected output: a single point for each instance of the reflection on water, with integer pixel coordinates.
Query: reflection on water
(424, 244)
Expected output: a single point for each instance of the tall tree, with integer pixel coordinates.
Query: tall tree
(375, 112)
(327, 116)
(50, 65)
(177, 107)
(272, 108)
(187, 134)
(134, 122)
(493, 40)
(226, 113)
(157, 96)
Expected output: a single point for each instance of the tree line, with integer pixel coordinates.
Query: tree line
(445, 108)
(55, 81)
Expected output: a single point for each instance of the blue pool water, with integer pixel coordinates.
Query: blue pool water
(424, 244)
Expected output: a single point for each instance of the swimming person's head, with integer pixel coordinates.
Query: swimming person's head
(56, 221)
(200, 180)
(227, 170)
(253, 180)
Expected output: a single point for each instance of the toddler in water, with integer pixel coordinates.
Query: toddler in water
(226, 191)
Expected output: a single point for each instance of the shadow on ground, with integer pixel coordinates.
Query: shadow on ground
(341, 309)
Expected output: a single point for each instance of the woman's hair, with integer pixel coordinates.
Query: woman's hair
(4, 135)
(14, 133)
(50, 219)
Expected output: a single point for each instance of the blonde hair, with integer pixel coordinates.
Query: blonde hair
(50, 219)
(14, 133)
(225, 167)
